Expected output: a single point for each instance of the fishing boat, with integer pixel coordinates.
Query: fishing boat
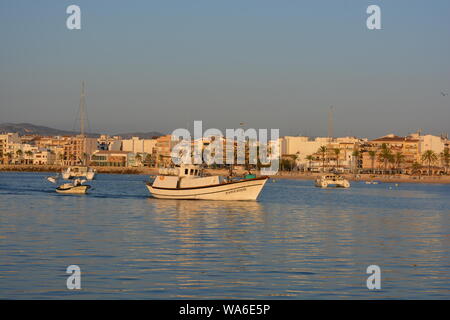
(79, 172)
(189, 182)
(76, 187)
(333, 180)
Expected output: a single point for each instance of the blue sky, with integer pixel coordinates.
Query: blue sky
(159, 65)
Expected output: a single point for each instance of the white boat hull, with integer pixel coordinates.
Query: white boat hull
(74, 190)
(325, 184)
(332, 180)
(248, 189)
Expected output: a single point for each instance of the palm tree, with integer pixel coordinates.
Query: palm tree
(148, 159)
(29, 154)
(384, 156)
(61, 158)
(323, 151)
(445, 157)
(297, 159)
(430, 157)
(9, 155)
(337, 151)
(287, 164)
(73, 158)
(372, 155)
(399, 159)
(85, 158)
(310, 158)
(19, 154)
(416, 168)
(391, 160)
(356, 154)
(138, 158)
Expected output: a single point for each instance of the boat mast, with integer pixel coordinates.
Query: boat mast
(82, 110)
(330, 130)
(83, 121)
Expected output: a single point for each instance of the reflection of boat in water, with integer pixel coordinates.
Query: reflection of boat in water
(192, 208)
(332, 180)
(77, 187)
(210, 212)
(187, 182)
(79, 172)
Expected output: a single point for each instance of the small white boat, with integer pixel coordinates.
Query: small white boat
(53, 179)
(77, 187)
(371, 182)
(188, 182)
(79, 171)
(332, 180)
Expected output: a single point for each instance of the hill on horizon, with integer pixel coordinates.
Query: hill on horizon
(142, 135)
(32, 129)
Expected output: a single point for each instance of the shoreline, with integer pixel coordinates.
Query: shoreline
(370, 177)
(279, 175)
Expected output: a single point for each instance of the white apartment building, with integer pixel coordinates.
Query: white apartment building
(430, 142)
(137, 145)
(301, 147)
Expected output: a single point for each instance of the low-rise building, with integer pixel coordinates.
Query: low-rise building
(105, 142)
(44, 157)
(108, 158)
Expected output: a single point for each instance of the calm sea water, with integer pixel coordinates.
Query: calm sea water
(296, 242)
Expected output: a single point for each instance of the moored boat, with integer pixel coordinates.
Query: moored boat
(79, 172)
(188, 182)
(333, 180)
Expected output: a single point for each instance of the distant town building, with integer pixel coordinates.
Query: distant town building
(137, 145)
(396, 154)
(44, 157)
(78, 150)
(163, 149)
(305, 152)
(105, 142)
(400, 152)
(107, 158)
